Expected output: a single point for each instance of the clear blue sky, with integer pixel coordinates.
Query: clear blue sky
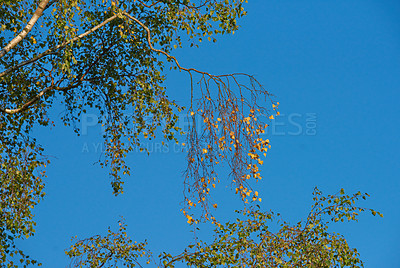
(335, 68)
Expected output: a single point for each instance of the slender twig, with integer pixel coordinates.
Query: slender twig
(107, 258)
(162, 51)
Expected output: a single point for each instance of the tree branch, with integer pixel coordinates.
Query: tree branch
(27, 104)
(179, 258)
(37, 97)
(38, 13)
(53, 49)
(105, 261)
(50, 4)
(161, 51)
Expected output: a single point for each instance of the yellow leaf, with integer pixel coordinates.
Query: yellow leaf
(271, 117)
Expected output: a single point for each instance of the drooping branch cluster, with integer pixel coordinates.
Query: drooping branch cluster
(231, 129)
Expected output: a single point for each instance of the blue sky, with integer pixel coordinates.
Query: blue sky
(335, 68)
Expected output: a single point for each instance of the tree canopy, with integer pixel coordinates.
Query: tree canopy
(110, 57)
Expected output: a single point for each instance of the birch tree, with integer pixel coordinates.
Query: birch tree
(111, 57)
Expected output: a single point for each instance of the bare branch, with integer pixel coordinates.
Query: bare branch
(168, 55)
(161, 51)
(38, 13)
